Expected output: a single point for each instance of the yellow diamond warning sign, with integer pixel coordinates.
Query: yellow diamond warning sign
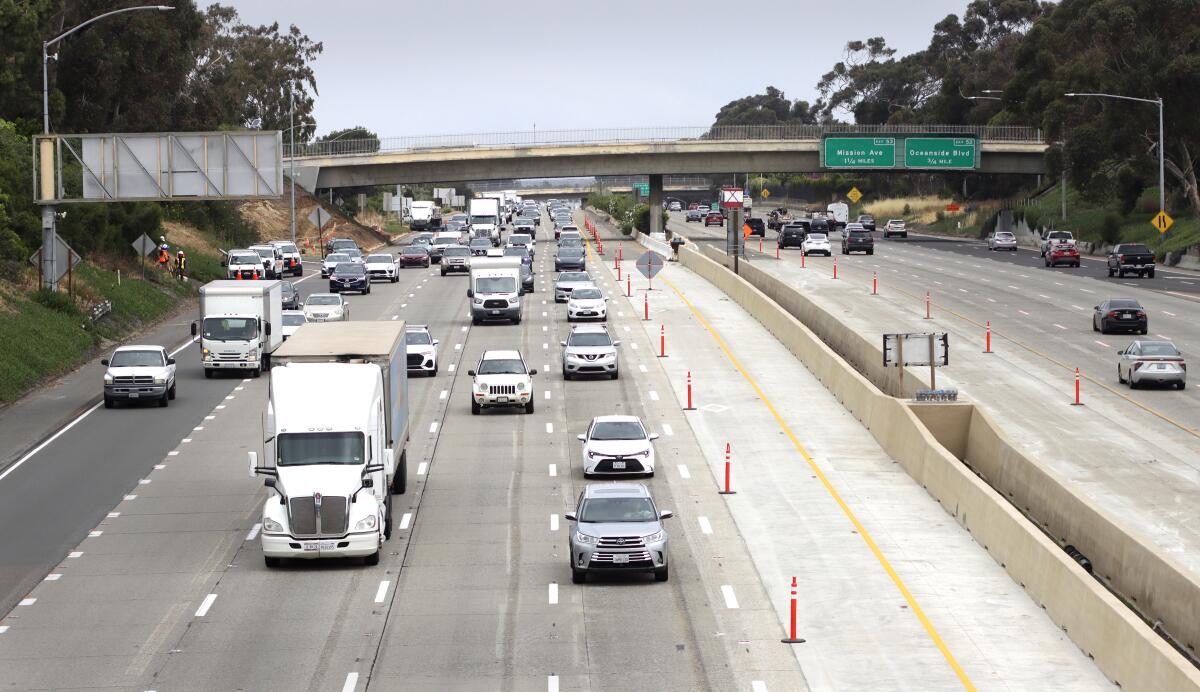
(1162, 222)
(854, 195)
(766, 193)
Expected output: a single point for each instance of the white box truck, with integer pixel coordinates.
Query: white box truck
(335, 441)
(422, 212)
(240, 325)
(484, 217)
(495, 289)
(840, 213)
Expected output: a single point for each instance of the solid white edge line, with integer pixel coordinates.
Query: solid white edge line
(351, 682)
(205, 605)
(730, 597)
(705, 526)
(553, 593)
(381, 592)
(405, 520)
(30, 454)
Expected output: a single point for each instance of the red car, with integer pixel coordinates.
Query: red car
(693, 206)
(1062, 253)
(414, 256)
(714, 218)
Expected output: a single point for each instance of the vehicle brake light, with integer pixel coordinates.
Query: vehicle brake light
(1152, 258)
(1138, 364)
(1140, 313)
(1111, 313)
(1121, 258)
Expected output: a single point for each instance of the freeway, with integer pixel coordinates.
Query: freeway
(1041, 331)
(166, 589)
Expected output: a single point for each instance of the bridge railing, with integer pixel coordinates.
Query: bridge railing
(538, 138)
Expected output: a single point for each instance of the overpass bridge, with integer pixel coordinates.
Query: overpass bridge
(639, 151)
(686, 185)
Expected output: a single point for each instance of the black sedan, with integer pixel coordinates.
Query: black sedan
(570, 259)
(1120, 314)
(349, 276)
(414, 256)
(867, 221)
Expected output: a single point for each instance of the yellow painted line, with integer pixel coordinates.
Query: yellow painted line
(862, 530)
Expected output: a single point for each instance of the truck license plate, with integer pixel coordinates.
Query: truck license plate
(314, 546)
(620, 559)
(134, 395)
(618, 465)
(502, 399)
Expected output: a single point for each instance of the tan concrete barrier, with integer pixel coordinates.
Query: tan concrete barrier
(1123, 646)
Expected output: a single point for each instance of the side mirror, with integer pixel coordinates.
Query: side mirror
(194, 329)
(653, 436)
(532, 372)
(666, 514)
(104, 362)
(581, 438)
(435, 342)
(170, 361)
(470, 373)
(267, 328)
(470, 293)
(270, 482)
(1095, 307)
(569, 516)
(562, 343)
(616, 343)
(252, 458)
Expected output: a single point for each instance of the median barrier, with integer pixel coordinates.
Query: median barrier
(964, 460)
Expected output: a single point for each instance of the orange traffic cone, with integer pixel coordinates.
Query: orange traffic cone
(255, 273)
(237, 276)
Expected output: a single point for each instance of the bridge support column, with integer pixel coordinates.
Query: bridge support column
(656, 198)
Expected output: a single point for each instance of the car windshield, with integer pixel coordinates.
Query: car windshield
(618, 430)
(1135, 249)
(135, 359)
(480, 242)
(515, 252)
(293, 320)
(265, 253)
(349, 268)
(502, 366)
(1159, 348)
(337, 257)
(518, 239)
(417, 338)
(287, 287)
(587, 294)
(1059, 234)
(606, 510)
(230, 328)
(570, 252)
(590, 339)
(288, 248)
(444, 241)
(413, 250)
(354, 254)
(1124, 305)
(495, 284)
(456, 251)
(323, 299)
(244, 258)
(376, 259)
(1004, 236)
(817, 236)
(573, 276)
(306, 449)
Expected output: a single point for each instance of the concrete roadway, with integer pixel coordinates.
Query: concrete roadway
(151, 576)
(1132, 451)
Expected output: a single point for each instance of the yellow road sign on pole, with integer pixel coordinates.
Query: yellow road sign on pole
(766, 193)
(1162, 222)
(854, 195)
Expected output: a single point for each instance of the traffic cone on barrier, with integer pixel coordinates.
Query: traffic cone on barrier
(237, 276)
(255, 273)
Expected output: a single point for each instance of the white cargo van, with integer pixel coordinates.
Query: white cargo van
(495, 289)
(240, 325)
(335, 441)
(422, 213)
(840, 213)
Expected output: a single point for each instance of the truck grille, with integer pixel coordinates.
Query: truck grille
(510, 389)
(305, 521)
(494, 304)
(135, 380)
(625, 542)
(600, 559)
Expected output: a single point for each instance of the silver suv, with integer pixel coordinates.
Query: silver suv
(590, 350)
(617, 527)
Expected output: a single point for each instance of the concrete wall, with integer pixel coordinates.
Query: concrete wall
(1122, 645)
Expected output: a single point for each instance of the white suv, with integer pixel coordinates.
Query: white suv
(422, 349)
(590, 350)
(895, 227)
(501, 379)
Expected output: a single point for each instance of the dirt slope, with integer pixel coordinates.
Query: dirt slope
(271, 217)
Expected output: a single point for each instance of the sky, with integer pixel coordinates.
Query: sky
(403, 68)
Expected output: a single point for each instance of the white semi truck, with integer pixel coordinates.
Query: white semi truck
(422, 214)
(335, 441)
(240, 325)
(484, 217)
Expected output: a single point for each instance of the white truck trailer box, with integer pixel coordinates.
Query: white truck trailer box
(240, 325)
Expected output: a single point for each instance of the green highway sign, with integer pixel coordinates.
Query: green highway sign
(858, 152)
(944, 153)
(642, 189)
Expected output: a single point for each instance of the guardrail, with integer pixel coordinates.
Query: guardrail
(99, 310)
(539, 138)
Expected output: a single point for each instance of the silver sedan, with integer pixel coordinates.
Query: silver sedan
(1002, 240)
(1151, 362)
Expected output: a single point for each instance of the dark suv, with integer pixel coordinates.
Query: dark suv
(792, 235)
(858, 241)
(757, 227)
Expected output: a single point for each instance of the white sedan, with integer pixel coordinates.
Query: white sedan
(382, 266)
(587, 304)
(331, 261)
(326, 307)
(292, 320)
(617, 444)
(816, 244)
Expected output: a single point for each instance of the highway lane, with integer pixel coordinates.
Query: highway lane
(180, 571)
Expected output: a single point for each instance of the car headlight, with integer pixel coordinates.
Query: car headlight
(520, 386)
(108, 379)
(365, 524)
(483, 388)
(655, 537)
(644, 452)
(479, 301)
(160, 379)
(584, 538)
(272, 526)
(252, 353)
(515, 300)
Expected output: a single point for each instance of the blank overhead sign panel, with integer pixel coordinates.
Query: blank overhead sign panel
(167, 166)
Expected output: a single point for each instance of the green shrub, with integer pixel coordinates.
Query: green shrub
(57, 301)
(907, 211)
(1110, 231)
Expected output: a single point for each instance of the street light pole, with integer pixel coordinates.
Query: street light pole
(49, 237)
(292, 173)
(1162, 140)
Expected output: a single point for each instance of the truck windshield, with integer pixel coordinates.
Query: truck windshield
(495, 284)
(230, 328)
(306, 449)
(483, 219)
(135, 359)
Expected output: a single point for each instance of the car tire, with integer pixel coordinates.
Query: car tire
(171, 393)
(615, 374)
(1132, 384)
(566, 375)
(208, 374)
(1144, 331)
(1149, 274)
(1180, 385)
(475, 408)
(256, 372)
(272, 562)
(662, 573)
(870, 252)
(164, 401)
(529, 406)
(433, 373)
(108, 402)
(371, 560)
(1120, 379)
(578, 576)
(400, 478)
(1103, 328)
(387, 523)
(1120, 273)
(443, 273)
